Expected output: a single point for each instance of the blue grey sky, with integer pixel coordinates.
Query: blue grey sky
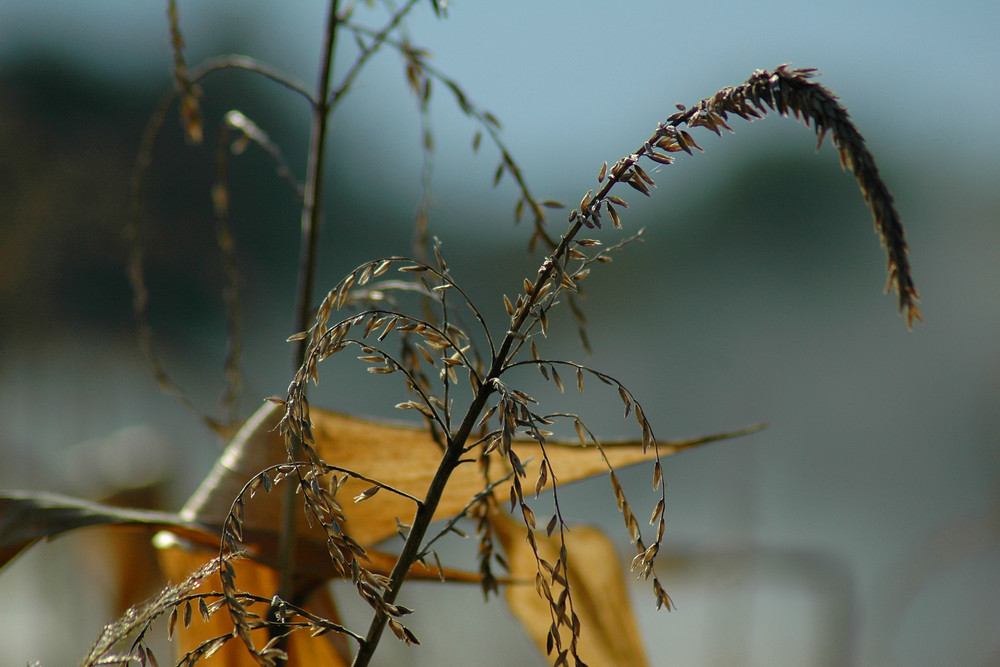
(550, 70)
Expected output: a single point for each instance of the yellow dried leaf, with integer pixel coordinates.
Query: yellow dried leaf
(402, 457)
(609, 634)
(330, 650)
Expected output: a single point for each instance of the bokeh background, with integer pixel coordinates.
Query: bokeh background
(861, 527)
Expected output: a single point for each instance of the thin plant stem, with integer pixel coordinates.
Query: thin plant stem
(425, 514)
(367, 52)
(238, 61)
(310, 227)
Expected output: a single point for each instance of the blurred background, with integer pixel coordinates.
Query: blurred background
(861, 527)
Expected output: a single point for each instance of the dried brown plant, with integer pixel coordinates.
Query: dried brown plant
(487, 451)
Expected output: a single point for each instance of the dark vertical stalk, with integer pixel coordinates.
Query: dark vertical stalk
(310, 227)
(422, 520)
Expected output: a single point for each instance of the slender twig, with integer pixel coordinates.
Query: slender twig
(238, 61)
(368, 51)
(488, 122)
(422, 520)
(432, 414)
(224, 233)
(463, 514)
(136, 261)
(307, 275)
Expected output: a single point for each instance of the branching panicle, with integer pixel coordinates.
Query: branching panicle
(788, 92)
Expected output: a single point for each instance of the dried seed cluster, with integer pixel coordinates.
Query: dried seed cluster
(791, 91)
(788, 92)
(438, 342)
(318, 485)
